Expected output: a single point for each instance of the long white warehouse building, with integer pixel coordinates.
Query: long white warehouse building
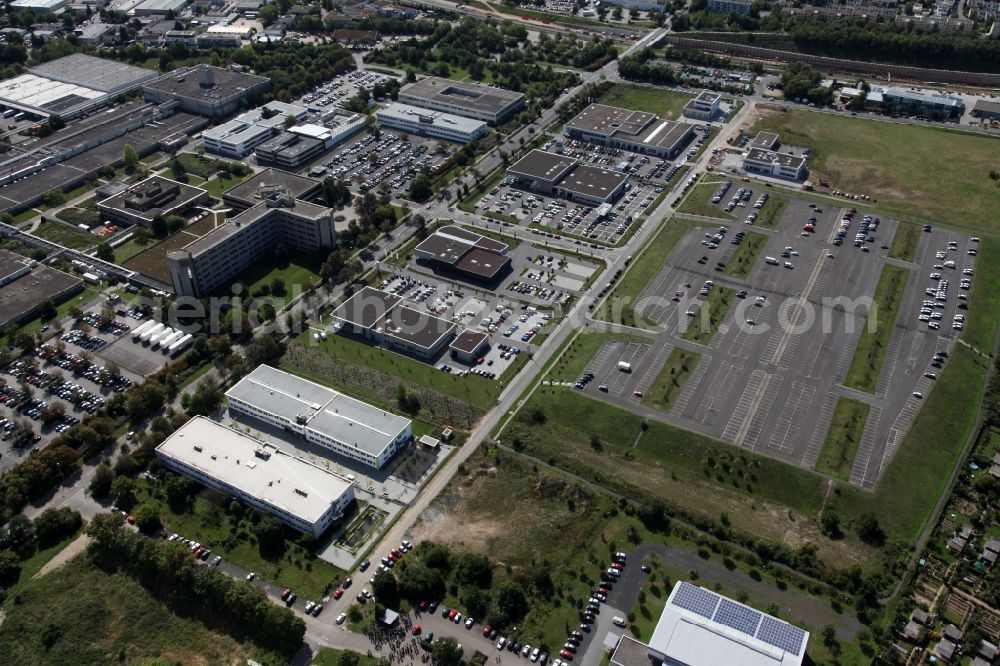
(321, 415)
(298, 493)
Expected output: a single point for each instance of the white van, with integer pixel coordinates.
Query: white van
(771, 260)
(624, 367)
(618, 621)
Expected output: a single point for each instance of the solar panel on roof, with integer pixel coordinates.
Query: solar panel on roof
(696, 599)
(781, 635)
(739, 617)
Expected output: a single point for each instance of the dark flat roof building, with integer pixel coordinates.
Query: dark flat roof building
(26, 284)
(471, 100)
(381, 318)
(208, 91)
(147, 199)
(562, 176)
(455, 249)
(637, 131)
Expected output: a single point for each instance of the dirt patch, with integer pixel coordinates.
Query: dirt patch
(76, 547)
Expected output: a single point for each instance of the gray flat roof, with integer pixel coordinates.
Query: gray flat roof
(11, 263)
(326, 411)
(540, 165)
(986, 106)
(366, 307)
(186, 83)
(468, 340)
(593, 181)
(441, 119)
(482, 263)
(415, 327)
(469, 95)
(26, 292)
(150, 187)
(764, 139)
(247, 192)
(784, 159)
(109, 76)
(294, 485)
(629, 125)
(450, 243)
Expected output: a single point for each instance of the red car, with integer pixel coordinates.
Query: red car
(452, 613)
(198, 552)
(338, 593)
(567, 655)
(130, 519)
(423, 605)
(602, 590)
(415, 630)
(285, 592)
(486, 630)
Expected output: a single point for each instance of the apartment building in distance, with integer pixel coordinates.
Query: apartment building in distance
(433, 124)
(320, 415)
(730, 6)
(296, 492)
(494, 106)
(211, 261)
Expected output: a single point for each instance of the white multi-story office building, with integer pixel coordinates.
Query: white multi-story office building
(434, 124)
(703, 107)
(320, 415)
(238, 137)
(774, 164)
(298, 493)
(469, 100)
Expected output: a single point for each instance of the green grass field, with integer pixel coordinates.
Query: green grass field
(873, 344)
(984, 297)
(76, 216)
(302, 270)
(770, 214)
(209, 524)
(130, 248)
(898, 165)
(33, 564)
(702, 327)
(648, 262)
(477, 391)
(842, 438)
(66, 235)
(699, 201)
(746, 255)
(905, 241)
(82, 615)
(218, 185)
(331, 657)
(670, 382)
(664, 103)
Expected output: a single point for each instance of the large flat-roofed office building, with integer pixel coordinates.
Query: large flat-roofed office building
(456, 250)
(239, 136)
(24, 284)
(207, 91)
(433, 124)
(320, 415)
(564, 177)
(382, 318)
(262, 184)
(637, 131)
(775, 164)
(300, 494)
(71, 85)
(210, 262)
(149, 198)
(699, 627)
(469, 100)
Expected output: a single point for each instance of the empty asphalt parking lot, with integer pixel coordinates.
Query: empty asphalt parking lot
(772, 387)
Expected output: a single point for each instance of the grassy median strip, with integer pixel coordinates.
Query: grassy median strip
(670, 382)
(770, 214)
(872, 345)
(905, 242)
(742, 261)
(843, 437)
(701, 327)
(618, 307)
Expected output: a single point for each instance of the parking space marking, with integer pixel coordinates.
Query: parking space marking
(818, 437)
(862, 460)
(735, 425)
(759, 412)
(691, 385)
(651, 370)
(634, 353)
(792, 416)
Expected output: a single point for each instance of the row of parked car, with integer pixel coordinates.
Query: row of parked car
(200, 552)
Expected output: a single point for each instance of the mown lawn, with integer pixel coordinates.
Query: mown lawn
(699, 200)
(898, 165)
(664, 103)
(619, 306)
(670, 382)
(905, 241)
(743, 260)
(842, 439)
(874, 340)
